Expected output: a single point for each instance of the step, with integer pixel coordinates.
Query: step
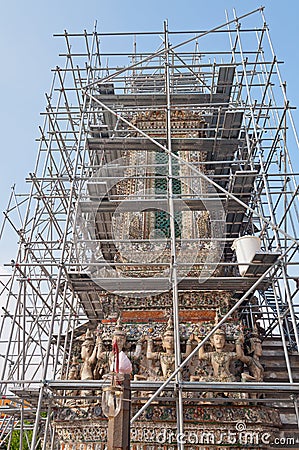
(279, 363)
(280, 377)
(277, 354)
(286, 405)
(288, 419)
(272, 343)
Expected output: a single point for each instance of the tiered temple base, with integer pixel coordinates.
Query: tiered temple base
(206, 426)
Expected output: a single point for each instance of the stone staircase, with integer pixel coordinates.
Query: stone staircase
(273, 360)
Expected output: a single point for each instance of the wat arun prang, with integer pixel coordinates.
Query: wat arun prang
(153, 300)
(142, 327)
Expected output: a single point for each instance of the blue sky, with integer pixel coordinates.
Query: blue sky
(28, 52)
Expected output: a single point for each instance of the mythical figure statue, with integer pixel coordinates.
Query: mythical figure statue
(102, 358)
(165, 358)
(220, 359)
(256, 370)
(106, 360)
(119, 335)
(119, 362)
(140, 362)
(73, 374)
(88, 354)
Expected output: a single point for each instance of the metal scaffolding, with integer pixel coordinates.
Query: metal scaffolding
(99, 150)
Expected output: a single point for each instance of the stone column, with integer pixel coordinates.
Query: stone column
(118, 437)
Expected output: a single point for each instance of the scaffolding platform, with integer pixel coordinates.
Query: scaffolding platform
(261, 262)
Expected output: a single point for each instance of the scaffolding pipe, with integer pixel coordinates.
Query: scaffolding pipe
(173, 262)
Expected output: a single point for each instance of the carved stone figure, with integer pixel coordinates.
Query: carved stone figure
(73, 374)
(166, 358)
(220, 359)
(118, 344)
(88, 354)
(256, 370)
(119, 335)
(102, 359)
(140, 362)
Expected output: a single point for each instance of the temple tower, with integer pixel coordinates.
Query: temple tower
(153, 301)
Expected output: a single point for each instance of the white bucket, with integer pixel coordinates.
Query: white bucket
(246, 247)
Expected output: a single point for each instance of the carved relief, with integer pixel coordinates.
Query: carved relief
(166, 358)
(150, 348)
(252, 359)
